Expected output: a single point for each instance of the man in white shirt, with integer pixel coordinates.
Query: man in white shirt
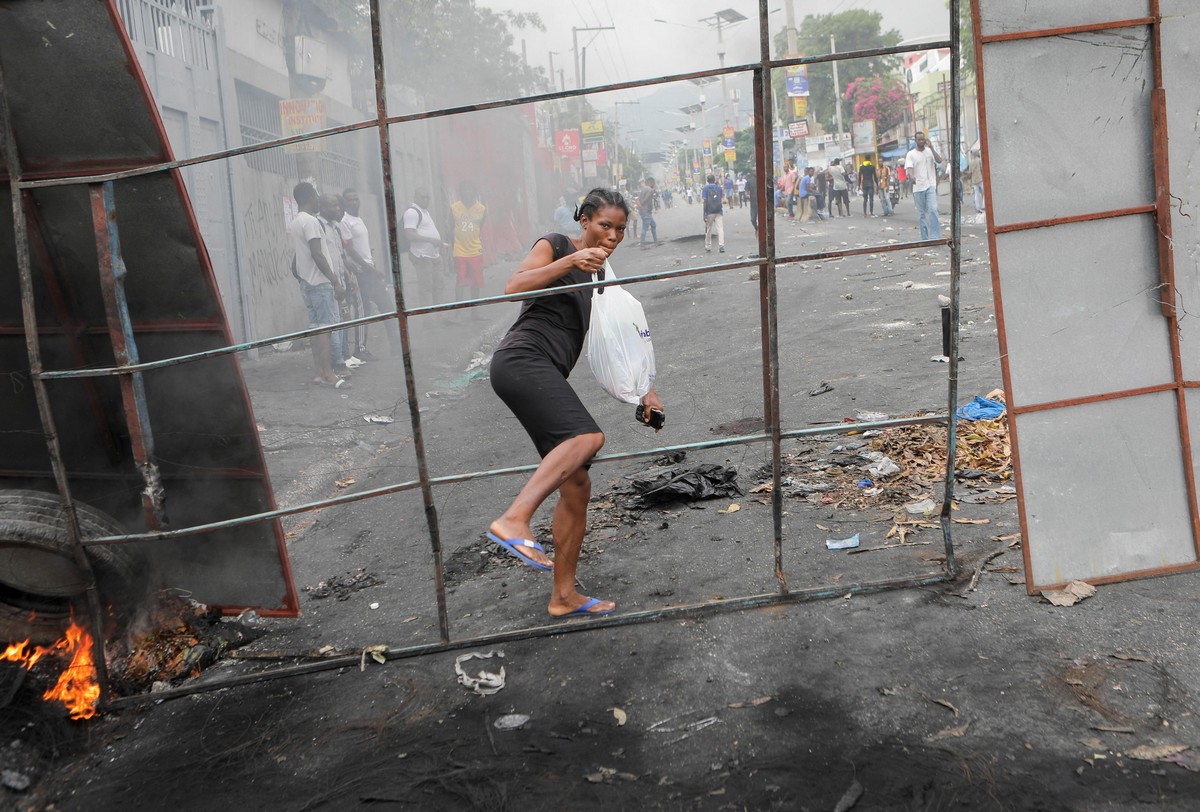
(425, 246)
(372, 286)
(331, 214)
(319, 285)
(921, 165)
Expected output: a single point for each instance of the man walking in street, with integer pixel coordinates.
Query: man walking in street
(840, 187)
(319, 286)
(372, 286)
(920, 165)
(469, 214)
(711, 196)
(645, 206)
(807, 196)
(866, 177)
(425, 249)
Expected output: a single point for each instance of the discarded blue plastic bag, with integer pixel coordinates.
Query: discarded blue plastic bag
(980, 409)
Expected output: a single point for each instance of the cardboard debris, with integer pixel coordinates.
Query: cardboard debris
(1069, 595)
(1155, 752)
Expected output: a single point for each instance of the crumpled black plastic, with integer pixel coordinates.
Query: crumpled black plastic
(676, 483)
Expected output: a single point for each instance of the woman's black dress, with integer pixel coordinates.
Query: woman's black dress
(530, 367)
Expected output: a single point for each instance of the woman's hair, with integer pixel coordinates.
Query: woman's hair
(598, 199)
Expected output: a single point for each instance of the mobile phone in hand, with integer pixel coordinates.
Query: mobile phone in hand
(657, 418)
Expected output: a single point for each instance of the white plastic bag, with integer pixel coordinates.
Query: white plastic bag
(619, 347)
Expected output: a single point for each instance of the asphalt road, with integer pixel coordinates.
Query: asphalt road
(942, 697)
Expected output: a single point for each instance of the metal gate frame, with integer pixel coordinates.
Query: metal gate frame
(1160, 209)
(766, 262)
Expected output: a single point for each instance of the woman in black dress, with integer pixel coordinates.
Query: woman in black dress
(529, 372)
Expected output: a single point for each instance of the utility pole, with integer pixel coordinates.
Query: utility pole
(837, 93)
(579, 76)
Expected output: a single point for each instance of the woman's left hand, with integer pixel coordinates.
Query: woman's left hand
(650, 401)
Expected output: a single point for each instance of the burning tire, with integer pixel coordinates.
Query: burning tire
(39, 580)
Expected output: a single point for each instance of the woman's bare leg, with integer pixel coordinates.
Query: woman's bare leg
(570, 522)
(563, 462)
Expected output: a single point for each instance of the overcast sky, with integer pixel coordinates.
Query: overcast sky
(640, 47)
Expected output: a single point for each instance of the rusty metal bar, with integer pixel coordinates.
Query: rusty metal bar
(955, 287)
(120, 330)
(414, 409)
(541, 632)
(516, 297)
(1001, 333)
(1074, 218)
(70, 329)
(45, 413)
(1162, 174)
(1166, 262)
(1098, 398)
(1059, 31)
(768, 289)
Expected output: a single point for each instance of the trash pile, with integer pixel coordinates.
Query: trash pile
(894, 466)
(174, 640)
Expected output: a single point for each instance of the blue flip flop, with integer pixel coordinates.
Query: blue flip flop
(512, 544)
(586, 610)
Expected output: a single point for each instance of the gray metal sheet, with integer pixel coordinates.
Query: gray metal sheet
(1007, 16)
(1081, 309)
(1055, 104)
(1104, 490)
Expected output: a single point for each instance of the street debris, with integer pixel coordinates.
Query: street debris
(620, 716)
(949, 733)
(485, 683)
(174, 640)
(511, 721)
(926, 507)
(753, 703)
(946, 703)
(842, 544)
(672, 483)
(980, 409)
(849, 797)
(344, 585)
(379, 418)
(1155, 752)
(733, 508)
(1069, 595)
(821, 389)
(378, 653)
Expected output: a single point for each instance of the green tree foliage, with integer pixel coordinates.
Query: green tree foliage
(855, 30)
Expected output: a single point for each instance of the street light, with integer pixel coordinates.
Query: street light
(726, 16)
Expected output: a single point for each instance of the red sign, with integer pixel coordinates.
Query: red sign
(567, 142)
(798, 129)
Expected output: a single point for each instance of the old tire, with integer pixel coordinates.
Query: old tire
(40, 583)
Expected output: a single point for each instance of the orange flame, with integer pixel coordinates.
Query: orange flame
(77, 687)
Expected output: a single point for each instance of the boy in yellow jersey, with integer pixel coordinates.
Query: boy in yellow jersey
(469, 215)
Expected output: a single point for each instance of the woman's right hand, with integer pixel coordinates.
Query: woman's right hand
(590, 260)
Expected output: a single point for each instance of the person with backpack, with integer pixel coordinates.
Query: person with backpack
(711, 196)
(425, 249)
